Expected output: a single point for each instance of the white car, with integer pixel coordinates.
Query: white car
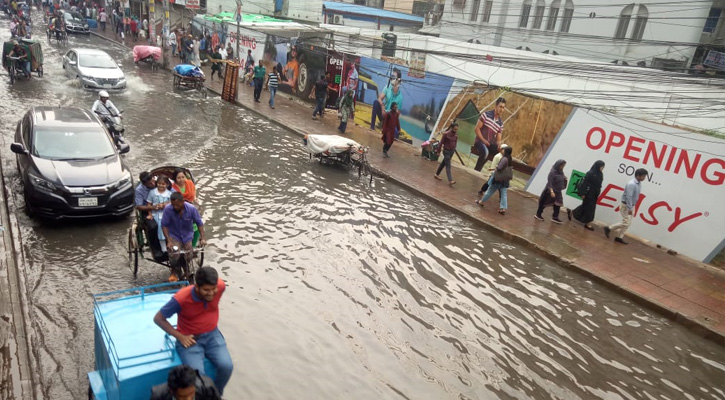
(94, 68)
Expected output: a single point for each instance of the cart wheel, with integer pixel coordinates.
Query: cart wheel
(201, 260)
(48, 34)
(40, 71)
(203, 92)
(154, 66)
(12, 75)
(132, 253)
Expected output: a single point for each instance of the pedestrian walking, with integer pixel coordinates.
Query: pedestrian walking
(589, 189)
(488, 132)
(448, 143)
(103, 18)
(259, 73)
(216, 66)
(230, 52)
(494, 164)
(501, 180)
(552, 193)
(630, 197)
(318, 93)
(346, 109)
(172, 43)
(391, 122)
(272, 85)
(134, 29)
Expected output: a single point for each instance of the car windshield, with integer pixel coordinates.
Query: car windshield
(96, 61)
(84, 143)
(75, 18)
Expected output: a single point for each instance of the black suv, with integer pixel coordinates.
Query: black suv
(69, 165)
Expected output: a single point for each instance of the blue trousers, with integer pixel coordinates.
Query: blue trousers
(319, 106)
(272, 92)
(212, 346)
(492, 188)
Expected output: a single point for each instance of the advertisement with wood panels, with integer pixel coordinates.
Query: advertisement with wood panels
(681, 201)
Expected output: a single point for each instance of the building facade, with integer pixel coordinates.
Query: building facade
(646, 33)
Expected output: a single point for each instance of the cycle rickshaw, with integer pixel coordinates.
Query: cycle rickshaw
(139, 247)
(189, 77)
(336, 149)
(15, 66)
(148, 55)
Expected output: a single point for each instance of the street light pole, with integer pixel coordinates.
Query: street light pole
(239, 21)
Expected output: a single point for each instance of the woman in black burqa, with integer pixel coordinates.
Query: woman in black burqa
(552, 194)
(589, 190)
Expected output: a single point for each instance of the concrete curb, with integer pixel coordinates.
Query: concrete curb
(24, 333)
(692, 324)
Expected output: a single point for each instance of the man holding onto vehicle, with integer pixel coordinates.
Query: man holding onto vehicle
(146, 184)
(197, 335)
(19, 52)
(177, 223)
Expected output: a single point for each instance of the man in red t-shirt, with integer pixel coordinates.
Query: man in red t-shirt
(197, 335)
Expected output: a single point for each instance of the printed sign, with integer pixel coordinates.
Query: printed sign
(192, 4)
(715, 59)
(681, 204)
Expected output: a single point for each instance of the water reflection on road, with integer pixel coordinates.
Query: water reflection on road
(338, 289)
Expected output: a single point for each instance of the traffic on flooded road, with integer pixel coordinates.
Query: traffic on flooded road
(335, 287)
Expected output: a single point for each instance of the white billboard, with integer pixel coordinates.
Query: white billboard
(248, 40)
(682, 205)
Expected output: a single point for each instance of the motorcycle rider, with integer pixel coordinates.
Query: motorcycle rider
(105, 109)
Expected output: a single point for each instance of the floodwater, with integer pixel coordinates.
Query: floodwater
(338, 289)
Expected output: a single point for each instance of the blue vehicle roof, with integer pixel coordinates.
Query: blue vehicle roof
(135, 345)
(367, 12)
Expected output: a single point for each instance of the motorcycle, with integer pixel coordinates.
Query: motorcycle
(114, 124)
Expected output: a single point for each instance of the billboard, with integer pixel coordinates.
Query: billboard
(681, 204)
(422, 98)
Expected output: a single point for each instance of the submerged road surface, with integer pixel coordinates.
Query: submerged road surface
(337, 289)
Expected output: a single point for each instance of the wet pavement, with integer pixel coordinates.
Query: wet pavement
(337, 288)
(683, 289)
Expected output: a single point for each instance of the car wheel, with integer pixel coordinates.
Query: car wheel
(28, 207)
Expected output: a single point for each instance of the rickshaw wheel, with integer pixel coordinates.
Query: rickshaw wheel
(203, 92)
(12, 75)
(132, 253)
(40, 71)
(154, 66)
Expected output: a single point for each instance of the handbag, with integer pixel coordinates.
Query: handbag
(503, 175)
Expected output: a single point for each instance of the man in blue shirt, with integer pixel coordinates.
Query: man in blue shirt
(177, 223)
(629, 202)
(148, 183)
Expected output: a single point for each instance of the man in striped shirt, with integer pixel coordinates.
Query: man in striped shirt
(488, 132)
(272, 84)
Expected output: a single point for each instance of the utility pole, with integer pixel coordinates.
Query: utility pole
(166, 31)
(152, 22)
(239, 21)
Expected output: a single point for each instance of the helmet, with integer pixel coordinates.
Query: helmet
(103, 94)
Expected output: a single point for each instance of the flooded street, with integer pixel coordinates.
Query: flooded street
(337, 289)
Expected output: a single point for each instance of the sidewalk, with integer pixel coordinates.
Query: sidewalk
(682, 289)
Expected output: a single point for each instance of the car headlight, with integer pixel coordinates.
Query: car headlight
(41, 183)
(124, 181)
(87, 78)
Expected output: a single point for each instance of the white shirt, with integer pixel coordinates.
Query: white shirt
(99, 108)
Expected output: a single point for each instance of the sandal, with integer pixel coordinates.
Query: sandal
(502, 212)
(591, 228)
(479, 203)
(438, 177)
(451, 183)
